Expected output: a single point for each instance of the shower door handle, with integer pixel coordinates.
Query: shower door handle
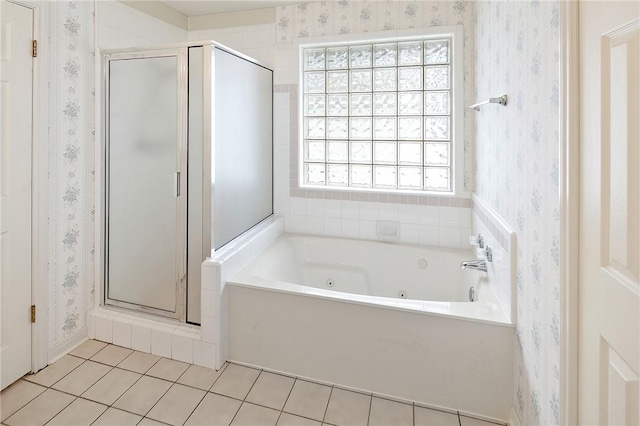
(177, 183)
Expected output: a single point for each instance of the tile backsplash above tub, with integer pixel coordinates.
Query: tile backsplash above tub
(423, 219)
(432, 225)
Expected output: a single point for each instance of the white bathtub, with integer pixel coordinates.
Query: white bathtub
(412, 278)
(391, 319)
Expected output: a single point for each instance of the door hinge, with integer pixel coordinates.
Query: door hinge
(35, 48)
(33, 313)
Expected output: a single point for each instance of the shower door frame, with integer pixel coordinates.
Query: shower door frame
(180, 53)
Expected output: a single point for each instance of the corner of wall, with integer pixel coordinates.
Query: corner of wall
(517, 150)
(514, 418)
(64, 347)
(160, 11)
(216, 21)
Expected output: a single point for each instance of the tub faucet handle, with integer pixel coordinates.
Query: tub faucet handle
(477, 241)
(488, 254)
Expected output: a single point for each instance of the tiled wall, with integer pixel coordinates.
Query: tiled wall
(121, 26)
(517, 53)
(443, 221)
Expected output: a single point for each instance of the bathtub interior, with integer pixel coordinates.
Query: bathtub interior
(369, 268)
(405, 277)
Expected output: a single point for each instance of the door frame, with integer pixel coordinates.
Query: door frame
(569, 208)
(39, 184)
(181, 55)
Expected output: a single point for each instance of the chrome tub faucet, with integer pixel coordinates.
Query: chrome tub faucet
(479, 264)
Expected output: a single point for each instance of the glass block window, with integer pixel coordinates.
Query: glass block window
(378, 116)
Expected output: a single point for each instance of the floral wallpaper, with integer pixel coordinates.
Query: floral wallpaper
(71, 168)
(316, 19)
(517, 53)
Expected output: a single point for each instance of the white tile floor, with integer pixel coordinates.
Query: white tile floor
(100, 384)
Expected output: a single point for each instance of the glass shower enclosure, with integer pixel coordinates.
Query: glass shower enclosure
(188, 167)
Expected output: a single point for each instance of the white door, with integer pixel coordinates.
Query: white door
(16, 79)
(609, 289)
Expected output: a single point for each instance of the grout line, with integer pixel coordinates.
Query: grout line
(399, 401)
(346, 389)
(305, 417)
(157, 421)
(227, 396)
(413, 411)
(370, 406)
(252, 385)
(288, 395)
(247, 394)
(300, 415)
(31, 400)
(165, 379)
(54, 383)
(126, 411)
(160, 399)
(442, 410)
(326, 408)
(234, 416)
(459, 419)
(196, 407)
(118, 398)
(102, 363)
(108, 406)
(27, 403)
(137, 372)
(222, 370)
(475, 417)
(64, 408)
(93, 354)
(106, 347)
(99, 378)
(279, 415)
(127, 390)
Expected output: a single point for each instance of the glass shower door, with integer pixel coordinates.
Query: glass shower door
(145, 183)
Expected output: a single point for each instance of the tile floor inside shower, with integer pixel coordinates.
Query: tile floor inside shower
(101, 384)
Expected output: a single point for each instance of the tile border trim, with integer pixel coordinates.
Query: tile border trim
(491, 220)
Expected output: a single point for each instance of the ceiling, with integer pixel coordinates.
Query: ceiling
(206, 7)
